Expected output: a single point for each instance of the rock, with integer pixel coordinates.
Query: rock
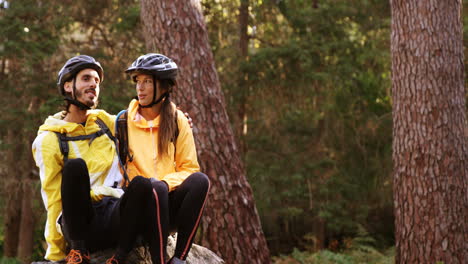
(197, 254)
(141, 255)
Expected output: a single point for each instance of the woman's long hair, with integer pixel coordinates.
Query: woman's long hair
(168, 123)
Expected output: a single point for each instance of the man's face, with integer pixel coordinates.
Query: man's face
(87, 87)
(145, 89)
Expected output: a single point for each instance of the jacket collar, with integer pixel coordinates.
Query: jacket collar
(138, 119)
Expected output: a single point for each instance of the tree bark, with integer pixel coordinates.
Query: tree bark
(243, 24)
(26, 231)
(240, 124)
(429, 147)
(315, 4)
(230, 226)
(13, 194)
(12, 219)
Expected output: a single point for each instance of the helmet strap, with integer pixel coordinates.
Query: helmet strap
(79, 104)
(74, 88)
(74, 101)
(164, 95)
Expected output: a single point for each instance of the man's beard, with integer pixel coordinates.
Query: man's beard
(90, 103)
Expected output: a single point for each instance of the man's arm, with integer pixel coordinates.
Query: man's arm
(49, 160)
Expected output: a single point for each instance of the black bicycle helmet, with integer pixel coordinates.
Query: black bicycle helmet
(73, 66)
(154, 64)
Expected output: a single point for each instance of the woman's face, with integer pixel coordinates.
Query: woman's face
(145, 89)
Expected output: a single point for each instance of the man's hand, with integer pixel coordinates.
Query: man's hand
(188, 117)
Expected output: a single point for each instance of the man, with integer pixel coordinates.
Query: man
(80, 177)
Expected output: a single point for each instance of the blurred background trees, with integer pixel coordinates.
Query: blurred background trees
(307, 89)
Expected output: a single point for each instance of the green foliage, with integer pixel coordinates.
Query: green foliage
(360, 249)
(37, 38)
(329, 257)
(315, 87)
(4, 260)
(310, 103)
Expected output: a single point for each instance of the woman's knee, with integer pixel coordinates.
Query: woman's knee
(200, 180)
(159, 187)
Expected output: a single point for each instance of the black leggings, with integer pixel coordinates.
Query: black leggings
(146, 209)
(92, 225)
(179, 210)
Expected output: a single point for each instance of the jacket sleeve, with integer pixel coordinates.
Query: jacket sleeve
(98, 191)
(185, 154)
(49, 160)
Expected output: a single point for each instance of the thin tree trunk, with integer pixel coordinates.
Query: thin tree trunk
(26, 234)
(12, 218)
(240, 126)
(26, 164)
(13, 195)
(231, 226)
(429, 147)
(315, 4)
(243, 24)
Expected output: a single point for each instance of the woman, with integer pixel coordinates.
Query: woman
(162, 149)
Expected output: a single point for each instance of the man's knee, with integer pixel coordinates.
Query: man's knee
(74, 165)
(75, 170)
(140, 184)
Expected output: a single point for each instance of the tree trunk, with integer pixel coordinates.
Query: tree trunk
(12, 194)
(230, 226)
(243, 24)
(26, 234)
(429, 147)
(12, 218)
(240, 125)
(315, 4)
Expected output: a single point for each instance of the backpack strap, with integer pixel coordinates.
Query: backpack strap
(63, 138)
(121, 133)
(104, 130)
(63, 141)
(63, 144)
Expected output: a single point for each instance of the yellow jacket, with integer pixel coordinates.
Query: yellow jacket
(101, 160)
(143, 143)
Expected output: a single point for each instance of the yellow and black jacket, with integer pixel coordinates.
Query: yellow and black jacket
(100, 157)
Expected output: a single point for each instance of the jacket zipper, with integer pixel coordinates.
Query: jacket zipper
(154, 148)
